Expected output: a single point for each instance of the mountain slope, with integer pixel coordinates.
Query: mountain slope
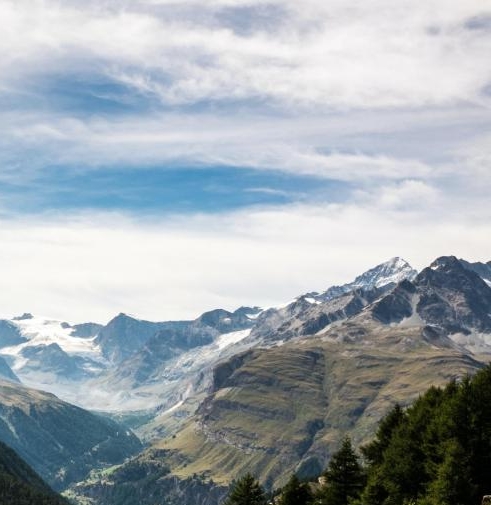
(6, 372)
(10, 334)
(273, 392)
(447, 298)
(60, 441)
(50, 355)
(481, 269)
(146, 481)
(116, 366)
(168, 367)
(282, 408)
(124, 335)
(170, 342)
(20, 485)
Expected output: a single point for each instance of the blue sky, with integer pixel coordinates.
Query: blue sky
(248, 150)
(155, 190)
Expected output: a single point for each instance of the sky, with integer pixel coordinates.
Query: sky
(162, 158)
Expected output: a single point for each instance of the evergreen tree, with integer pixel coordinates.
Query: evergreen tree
(439, 450)
(453, 484)
(374, 451)
(296, 493)
(344, 475)
(246, 491)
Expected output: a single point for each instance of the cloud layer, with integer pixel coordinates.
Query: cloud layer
(91, 267)
(370, 120)
(329, 54)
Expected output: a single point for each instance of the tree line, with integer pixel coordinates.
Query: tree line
(436, 452)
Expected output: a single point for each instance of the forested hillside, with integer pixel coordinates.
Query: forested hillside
(438, 452)
(20, 485)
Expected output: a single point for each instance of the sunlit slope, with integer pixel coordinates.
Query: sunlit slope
(284, 409)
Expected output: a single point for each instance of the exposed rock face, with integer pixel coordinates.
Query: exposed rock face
(453, 297)
(86, 330)
(223, 371)
(224, 321)
(397, 305)
(312, 312)
(6, 372)
(124, 335)
(52, 357)
(481, 269)
(303, 318)
(10, 334)
(175, 339)
(24, 317)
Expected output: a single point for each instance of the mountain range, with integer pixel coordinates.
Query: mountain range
(269, 391)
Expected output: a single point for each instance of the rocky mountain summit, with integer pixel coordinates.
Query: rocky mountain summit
(385, 275)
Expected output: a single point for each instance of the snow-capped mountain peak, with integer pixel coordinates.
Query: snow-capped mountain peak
(388, 273)
(43, 351)
(38, 330)
(391, 272)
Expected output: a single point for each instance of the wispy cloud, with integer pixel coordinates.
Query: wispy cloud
(330, 54)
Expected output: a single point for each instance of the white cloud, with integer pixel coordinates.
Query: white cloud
(410, 195)
(291, 144)
(330, 54)
(93, 266)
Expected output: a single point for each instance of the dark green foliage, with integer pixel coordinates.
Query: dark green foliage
(20, 485)
(438, 452)
(296, 493)
(246, 491)
(344, 475)
(374, 452)
(14, 492)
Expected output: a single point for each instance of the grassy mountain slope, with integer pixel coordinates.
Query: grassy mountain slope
(285, 408)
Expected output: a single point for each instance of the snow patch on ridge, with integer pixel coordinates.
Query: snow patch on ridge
(233, 337)
(45, 331)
